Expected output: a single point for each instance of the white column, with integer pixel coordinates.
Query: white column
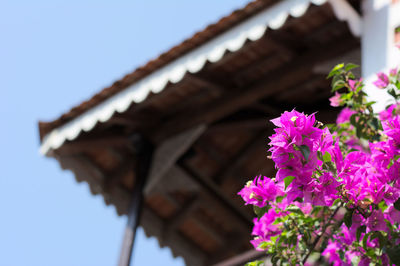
(378, 51)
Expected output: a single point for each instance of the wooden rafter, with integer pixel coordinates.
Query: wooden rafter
(234, 246)
(267, 109)
(171, 225)
(304, 87)
(215, 192)
(232, 168)
(213, 88)
(247, 125)
(78, 146)
(241, 259)
(203, 144)
(298, 70)
(168, 152)
(177, 242)
(112, 179)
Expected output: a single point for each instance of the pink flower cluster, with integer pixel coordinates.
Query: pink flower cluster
(294, 150)
(321, 173)
(260, 191)
(384, 80)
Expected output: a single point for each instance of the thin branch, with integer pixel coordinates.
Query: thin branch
(314, 244)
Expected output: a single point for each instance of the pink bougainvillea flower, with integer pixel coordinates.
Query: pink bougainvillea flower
(355, 83)
(393, 215)
(331, 253)
(265, 228)
(376, 222)
(382, 81)
(389, 112)
(335, 100)
(259, 191)
(364, 261)
(344, 115)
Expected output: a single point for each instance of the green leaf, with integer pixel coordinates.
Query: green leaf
(331, 167)
(336, 202)
(338, 85)
(348, 218)
(273, 239)
(263, 245)
(295, 209)
(320, 156)
(365, 239)
(316, 210)
(370, 252)
(360, 230)
(374, 123)
(288, 180)
(396, 205)
(350, 66)
(341, 254)
(371, 103)
(259, 211)
(382, 205)
(394, 255)
(381, 238)
(359, 131)
(305, 150)
(327, 157)
(255, 263)
(274, 260)
(335, 70)
(353, 120)
(279, 198)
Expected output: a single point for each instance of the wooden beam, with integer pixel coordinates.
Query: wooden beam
(235, 247)
(179, 245)
(211, 232)
(223, 211)
(171, 225)
(144, 151)
(132, 120)
(334, 25)
(267, 109)
(205, 145)
(213, 88)
(168, 152)
(266, 64)
(254, 124)
(236, 163)
(95, 143)
(175, 179)
(242, 259)
(214, 191)
(112, 179)
(278, 80)
(305, 87)
(186, 211)
(212, 197)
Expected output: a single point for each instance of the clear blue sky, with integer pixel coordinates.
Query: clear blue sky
(54, 55)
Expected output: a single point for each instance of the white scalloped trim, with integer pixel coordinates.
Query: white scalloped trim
(252, 29)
